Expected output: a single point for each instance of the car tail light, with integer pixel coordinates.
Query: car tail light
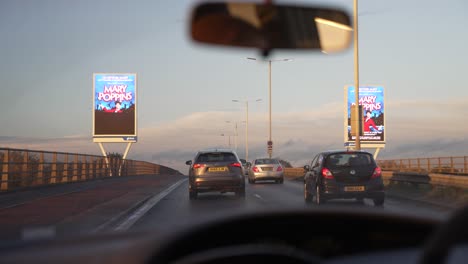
(198, 165)
(326, 173)
(236, 164)
(279, 168)
(255, 169)
(377, 173)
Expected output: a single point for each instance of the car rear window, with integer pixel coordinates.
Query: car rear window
(266, 161)
(349, 159)
(216, 157)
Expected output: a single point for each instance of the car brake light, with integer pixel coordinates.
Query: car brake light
(279, 168)
(255, 169)
(198, 165)
(377, 173)
(235, 164)
(326, 173)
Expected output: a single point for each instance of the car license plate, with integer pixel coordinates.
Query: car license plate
(354, 188)
(267, 168)
(217, 169)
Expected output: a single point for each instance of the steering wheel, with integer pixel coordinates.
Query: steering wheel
(254, 253)
(450, 233)
(259, 237)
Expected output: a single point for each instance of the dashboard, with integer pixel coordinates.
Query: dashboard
(309, 236)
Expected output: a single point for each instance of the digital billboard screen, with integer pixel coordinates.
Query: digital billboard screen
(371, 98)
(114, 113)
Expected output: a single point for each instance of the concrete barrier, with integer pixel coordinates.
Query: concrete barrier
(431, 178)
(292, 173)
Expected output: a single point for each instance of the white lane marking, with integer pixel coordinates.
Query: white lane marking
(259, 197)
(140, 212)
(38, 232)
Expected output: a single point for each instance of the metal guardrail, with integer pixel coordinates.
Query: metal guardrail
(21, 168)
(440, 165)
(411, 175)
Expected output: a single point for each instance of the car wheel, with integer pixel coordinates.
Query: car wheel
(193, 195)
(281, 181)
(378, 201)
(318, 196)
(307, 196)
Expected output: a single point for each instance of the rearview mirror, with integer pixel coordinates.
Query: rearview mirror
(271, 26)
(188, 162)
(306, 168)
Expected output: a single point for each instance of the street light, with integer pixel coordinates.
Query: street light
(246, 125)
(270, 153)
(236, 135)
(229, 136)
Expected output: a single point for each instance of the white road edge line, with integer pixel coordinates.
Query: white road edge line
(259, 197)
(140, 212)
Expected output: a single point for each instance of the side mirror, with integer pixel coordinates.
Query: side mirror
(249, 164)
(306, 168)
(271, 26)
(188, 162)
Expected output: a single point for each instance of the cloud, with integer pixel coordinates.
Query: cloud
(414, 128)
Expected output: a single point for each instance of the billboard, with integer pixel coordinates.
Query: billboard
(114, 111)
(372, 100)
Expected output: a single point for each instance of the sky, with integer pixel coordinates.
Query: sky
(50, 50)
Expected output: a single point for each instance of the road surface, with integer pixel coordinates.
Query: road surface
(176, 211)
(158, 203)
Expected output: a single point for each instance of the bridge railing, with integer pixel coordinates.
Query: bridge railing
(440, 165)
(21, 168)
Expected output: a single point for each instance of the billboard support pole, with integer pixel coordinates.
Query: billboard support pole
(127, 149)
(103, 151)
(376, 153)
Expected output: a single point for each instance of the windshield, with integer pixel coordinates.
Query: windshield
(105, 104)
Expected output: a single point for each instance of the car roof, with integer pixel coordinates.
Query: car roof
(328, 152)
(216, 150)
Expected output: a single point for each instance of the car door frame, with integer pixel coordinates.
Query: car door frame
(315, 172)
(309, 176)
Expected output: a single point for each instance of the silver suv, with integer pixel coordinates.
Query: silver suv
(216, 170)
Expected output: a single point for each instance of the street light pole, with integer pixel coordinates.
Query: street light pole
(235, 140)
(229, 139)
(270, 153)
(356, 79)
(269, 100)
(247, 130)
(236, 134)
(246, 126)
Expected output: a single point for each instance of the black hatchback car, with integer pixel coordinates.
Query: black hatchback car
(343, 175)
(216, 170)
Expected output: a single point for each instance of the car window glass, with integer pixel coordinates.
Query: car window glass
(216, 157)
(313, 162)
(319, 161)
(351, 159)
(266, 161)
